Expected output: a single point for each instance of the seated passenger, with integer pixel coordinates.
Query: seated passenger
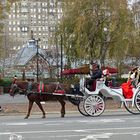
(134, 77)
(105, 73)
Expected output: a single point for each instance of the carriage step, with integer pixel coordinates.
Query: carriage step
(129, 100)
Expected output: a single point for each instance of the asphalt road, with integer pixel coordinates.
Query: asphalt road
(109, 126)
(6, 98)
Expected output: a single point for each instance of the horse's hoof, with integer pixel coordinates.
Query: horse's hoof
(26, 117)
(43, 117)
(62, 116)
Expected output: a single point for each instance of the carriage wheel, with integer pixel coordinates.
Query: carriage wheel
(81, 108)
(94, 105)
(132, 109)
(137, 100)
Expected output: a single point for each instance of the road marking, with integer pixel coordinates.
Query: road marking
(30, 123)
(92, 137)
(14, 136)
(76, 130)
(95, 137)
(12, 124)
(102, 121)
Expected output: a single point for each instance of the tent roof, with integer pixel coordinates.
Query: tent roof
(85, 70)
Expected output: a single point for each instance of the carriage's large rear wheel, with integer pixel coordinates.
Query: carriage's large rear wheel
(137, 101)
(132, 109)
(94, 105)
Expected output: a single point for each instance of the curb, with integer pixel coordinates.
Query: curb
(107, 111)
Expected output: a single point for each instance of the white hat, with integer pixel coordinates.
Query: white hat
(105, 72)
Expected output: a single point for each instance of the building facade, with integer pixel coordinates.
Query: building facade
(25, 16)
(39, 16)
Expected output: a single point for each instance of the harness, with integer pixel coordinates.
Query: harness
(41, 87)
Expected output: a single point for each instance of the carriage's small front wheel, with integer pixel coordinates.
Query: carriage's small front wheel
(81, 108)
(94, 105)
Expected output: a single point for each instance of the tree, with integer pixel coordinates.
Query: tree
(96, 29)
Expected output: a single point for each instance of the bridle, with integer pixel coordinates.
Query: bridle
(15, 89)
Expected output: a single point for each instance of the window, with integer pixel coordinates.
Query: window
(18, 23)
(14, 29)
(9, 16)
(39, 10)
(18, 28)
(10, 29)
(14, 22)
(39, 28)
(39, 17)
(10, 23)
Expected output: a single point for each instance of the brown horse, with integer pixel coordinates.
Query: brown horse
(37, 96)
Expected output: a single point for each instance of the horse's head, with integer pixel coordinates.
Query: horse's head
(14, 89)
(18, 88)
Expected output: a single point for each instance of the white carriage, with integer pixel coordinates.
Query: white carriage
(93, 103)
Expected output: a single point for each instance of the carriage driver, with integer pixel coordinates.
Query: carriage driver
(95, 73)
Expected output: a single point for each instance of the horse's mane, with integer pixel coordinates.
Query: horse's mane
(22, 84)
(49, 87)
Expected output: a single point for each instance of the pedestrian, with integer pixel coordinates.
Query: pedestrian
(14, 79)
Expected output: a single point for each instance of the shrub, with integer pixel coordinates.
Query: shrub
(5, 83)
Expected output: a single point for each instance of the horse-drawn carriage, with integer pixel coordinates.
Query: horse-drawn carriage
(89, 103)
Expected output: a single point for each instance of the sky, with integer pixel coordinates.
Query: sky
(132, 1)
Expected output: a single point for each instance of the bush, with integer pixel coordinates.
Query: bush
(5, 83)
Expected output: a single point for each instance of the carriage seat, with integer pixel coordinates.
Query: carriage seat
(93, 86)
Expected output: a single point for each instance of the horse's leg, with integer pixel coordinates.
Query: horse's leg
(62, 102)
(29, 109)
(41, 108)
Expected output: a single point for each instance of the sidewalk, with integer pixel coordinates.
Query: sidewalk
(49, 107)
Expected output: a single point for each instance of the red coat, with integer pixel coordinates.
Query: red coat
(127, 90)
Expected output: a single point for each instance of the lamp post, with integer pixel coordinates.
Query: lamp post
(61, 53)
(37, 55)
(37, 62)
(104, 45)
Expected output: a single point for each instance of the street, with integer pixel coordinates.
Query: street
(73, 127)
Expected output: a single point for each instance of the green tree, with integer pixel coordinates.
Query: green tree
(96, 29)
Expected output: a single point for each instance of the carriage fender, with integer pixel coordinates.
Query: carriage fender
(104, 92)
(108, 93)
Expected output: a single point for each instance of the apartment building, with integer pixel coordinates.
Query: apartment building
(39, 16)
